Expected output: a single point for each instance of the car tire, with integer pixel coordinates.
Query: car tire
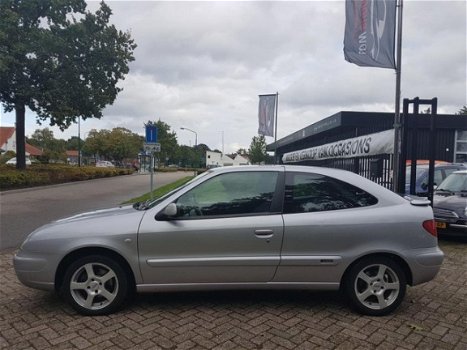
(375, 286)
(95, 285)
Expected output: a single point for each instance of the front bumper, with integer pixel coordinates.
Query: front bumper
(449, 220)
(34, 271)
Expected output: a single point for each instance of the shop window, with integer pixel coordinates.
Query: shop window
(460, 155)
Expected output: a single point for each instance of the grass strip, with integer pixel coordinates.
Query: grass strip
(159, 192)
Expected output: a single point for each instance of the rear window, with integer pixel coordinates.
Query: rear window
(307, 192)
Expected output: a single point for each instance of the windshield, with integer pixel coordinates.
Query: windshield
(456, 182)
(151, 203)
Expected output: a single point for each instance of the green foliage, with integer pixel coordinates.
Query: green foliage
(37, 175)
(124, 144)
(168, 141)
(257, 150)
(5, 157)
(159, 192)
(53, 149)
(116, 144)
(59, 60)
(462, 111)
(192, 157)
(96, 143)
(74, 143)
(242, 152)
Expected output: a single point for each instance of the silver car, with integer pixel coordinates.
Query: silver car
(287, 227)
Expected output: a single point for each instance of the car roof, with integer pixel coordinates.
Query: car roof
(444, 165)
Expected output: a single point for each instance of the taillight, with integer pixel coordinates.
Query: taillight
(430, 226)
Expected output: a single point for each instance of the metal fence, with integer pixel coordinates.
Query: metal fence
(375, 168)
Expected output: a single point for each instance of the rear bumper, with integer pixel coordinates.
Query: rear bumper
(426, 264)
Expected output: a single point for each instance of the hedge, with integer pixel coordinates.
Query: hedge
(38, 175)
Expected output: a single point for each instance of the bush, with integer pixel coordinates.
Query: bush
(5, 157)
(37, 175)
(171, 170)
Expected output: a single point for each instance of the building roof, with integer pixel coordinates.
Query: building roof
(33, 151)
(72, 153)
(6, 133)
(345, 124)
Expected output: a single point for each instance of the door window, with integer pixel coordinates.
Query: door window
(314, 192)
(230, 194)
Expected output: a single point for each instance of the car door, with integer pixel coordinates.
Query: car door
(228, 229)
(324, 219)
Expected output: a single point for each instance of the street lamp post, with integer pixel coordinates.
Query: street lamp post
(194, 132)
(79, 141)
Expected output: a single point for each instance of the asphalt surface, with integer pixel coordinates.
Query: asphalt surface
(22, 211)
(432, 316)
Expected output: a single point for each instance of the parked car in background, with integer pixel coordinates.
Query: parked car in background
(450, 204)
(104, 164)
(12, 161)
(286, 227)
(442, 171)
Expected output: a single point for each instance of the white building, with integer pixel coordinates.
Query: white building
(8, 142)
(217, 159)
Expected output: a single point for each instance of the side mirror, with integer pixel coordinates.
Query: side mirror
(170, 210)
(168, 213)
(424, 186)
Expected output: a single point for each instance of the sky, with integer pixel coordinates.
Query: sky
(202, 64)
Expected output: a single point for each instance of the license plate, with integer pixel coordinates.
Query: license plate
(440, 224)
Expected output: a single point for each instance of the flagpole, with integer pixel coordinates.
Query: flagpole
(397, 116)
(275, 130)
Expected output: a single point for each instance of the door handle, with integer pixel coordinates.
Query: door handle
(264, 233)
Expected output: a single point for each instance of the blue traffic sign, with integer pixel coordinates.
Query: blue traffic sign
(151, 134)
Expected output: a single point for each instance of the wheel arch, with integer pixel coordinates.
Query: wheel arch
(85, 251)
(396, 258)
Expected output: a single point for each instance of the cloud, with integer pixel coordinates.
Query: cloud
(202, 65)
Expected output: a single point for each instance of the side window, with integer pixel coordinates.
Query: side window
(438, 177)
(230, 194)
(314, 192)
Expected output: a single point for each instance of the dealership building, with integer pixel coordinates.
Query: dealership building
(363, 142)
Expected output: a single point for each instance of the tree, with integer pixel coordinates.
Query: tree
(122, 143)
(74, 143)
(462, 111)
(52, 148)
(96, 144)
(257, 150)
(168, 141)
(60, 61)
(242, 151)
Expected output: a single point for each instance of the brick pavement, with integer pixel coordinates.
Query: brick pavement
(433, 316)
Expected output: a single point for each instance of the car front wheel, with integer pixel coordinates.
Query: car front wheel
(95, 285)
(375, 286)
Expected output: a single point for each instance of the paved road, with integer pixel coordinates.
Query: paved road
(22, 211)
(432, 316)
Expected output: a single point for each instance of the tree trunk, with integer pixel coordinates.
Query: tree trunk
(20, 140)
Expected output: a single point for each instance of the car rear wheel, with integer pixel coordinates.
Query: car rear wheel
(95, 285)
(375, 286)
